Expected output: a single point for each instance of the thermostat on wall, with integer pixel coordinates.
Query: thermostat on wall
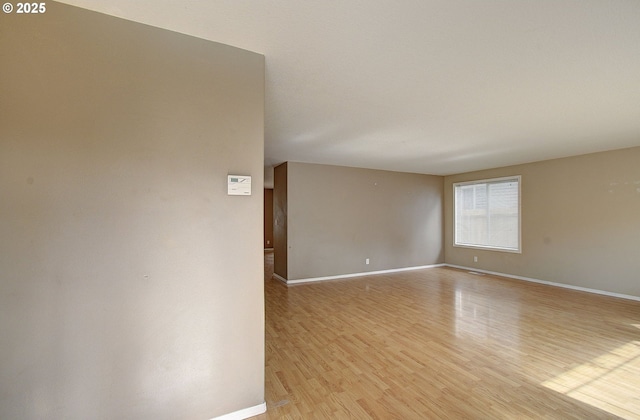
(239, 185)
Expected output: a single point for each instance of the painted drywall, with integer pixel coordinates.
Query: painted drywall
(340, 216)
(130, 282)
(280, 220)
(268, 218)
(580, 222)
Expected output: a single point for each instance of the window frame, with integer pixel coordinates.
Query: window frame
(517, 178)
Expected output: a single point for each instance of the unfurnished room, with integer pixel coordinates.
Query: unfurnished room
(320, 210)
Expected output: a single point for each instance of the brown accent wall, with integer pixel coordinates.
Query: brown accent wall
(131, 284)
(580, 222)
(268, 218)
(340, 216)
(280, 231)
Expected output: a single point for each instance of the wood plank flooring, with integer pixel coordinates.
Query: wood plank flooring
(447, 344)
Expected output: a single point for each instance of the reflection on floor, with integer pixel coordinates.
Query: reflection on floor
(444, 343)
(609, 382)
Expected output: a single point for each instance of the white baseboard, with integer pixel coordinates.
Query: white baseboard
(548, 283)
(245, 413)
(346, 276)
(280, 278)
(461, 267)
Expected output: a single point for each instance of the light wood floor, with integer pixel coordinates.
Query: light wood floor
(446, 344)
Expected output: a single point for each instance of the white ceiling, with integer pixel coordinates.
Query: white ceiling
(428, 86)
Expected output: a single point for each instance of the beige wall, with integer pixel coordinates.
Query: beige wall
(580, 222)
(339, 216)
(280, 220)
(130, 283)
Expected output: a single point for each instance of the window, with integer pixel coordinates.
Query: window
(487, 214)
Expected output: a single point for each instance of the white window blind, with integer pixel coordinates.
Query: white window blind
(487, 214)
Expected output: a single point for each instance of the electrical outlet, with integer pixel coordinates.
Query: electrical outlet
(366, 261)
(475, 259)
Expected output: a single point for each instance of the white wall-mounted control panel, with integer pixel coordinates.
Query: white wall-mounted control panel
(239, 185)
